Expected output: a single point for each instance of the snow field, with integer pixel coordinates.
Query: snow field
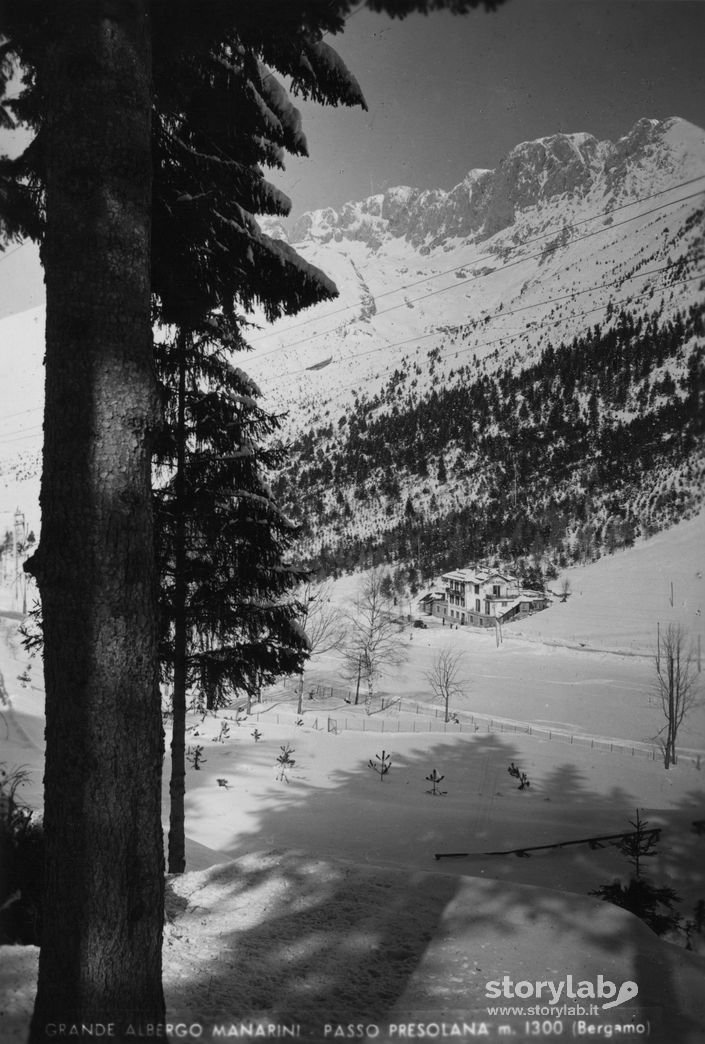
(319, 900)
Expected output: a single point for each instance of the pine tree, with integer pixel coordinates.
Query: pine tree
(116, 91)
(103, 885)
(653, 904)
(227, 625)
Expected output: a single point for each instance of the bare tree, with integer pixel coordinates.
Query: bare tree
(323, 624)
(676, 685)
(372, 643)
(444, 677)
(565, 590)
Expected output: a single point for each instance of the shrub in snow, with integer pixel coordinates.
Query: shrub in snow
(640, 896)
(195, 756)
(382, 764)
(285, 761)
(434, 779)
(524, 783)
(256, 735)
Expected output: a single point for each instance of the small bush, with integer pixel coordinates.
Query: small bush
(640, 896)
(21, 864)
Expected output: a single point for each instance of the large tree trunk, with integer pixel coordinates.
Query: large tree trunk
(100, 958)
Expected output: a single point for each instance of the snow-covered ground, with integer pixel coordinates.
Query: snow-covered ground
(620, 601)
(315, 905)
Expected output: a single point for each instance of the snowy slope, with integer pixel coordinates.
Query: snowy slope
(443, 294)
(318, 901)
(21, 399)
(618, 602)
(533, 250)
(564, 232)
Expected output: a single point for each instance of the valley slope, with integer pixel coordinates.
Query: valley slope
(513, 367)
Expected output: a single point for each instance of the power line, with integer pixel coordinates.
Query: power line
(5, 254)
(510, 335)
(21, 413)
(17, 436)
(501, 268)
(489, 256)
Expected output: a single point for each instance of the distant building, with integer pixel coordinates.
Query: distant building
(481, 597)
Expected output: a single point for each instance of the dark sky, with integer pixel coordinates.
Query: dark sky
(448, 94)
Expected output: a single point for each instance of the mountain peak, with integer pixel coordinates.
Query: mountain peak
(487, 201)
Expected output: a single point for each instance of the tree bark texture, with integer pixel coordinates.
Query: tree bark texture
(100, 958)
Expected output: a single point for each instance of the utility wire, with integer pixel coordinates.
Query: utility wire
(547, 324)
(490, 256)
(21, 413)
(501, 268)
(8, 253)
(20, 434)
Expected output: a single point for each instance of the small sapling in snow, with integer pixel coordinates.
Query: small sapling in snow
(256, 735)
(285, 761)
(195, 756)
(521, 776)
(434, 779)
(223, 734)
(653, 904)
(383, 765)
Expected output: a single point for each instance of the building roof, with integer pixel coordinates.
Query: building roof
(431, 595)
(483, 576)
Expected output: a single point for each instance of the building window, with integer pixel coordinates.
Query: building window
(477, 604)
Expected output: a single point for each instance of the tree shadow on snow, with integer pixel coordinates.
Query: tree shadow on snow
(312, 928)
